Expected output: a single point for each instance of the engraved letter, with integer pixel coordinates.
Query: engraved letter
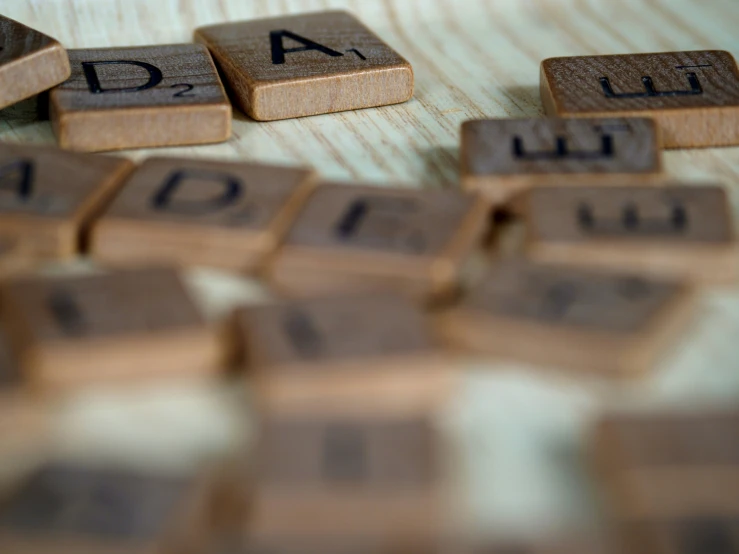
(93, 81)
(279, 50)
(164, 198)
(18, 176)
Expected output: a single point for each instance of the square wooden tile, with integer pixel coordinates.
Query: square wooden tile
(693, 96)
(608, 323)
(502, 156)
(371, 475)
(684, 232)
(309, 64)
(350, 237)
(69, 509)
(368, 352)
(30, 62)
(139, 97)
(197, 212)
(49, 196)
(670, 466)
(87, 330)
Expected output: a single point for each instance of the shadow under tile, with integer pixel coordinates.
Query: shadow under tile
(528, 98)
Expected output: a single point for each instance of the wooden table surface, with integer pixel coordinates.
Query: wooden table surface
(516, 434)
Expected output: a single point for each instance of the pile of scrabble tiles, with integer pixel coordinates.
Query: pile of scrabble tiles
(565, 246)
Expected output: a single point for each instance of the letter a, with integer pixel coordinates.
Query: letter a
(93, 81)
(279, 50)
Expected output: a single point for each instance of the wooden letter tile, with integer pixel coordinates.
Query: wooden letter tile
(503, 156)
(94, 329)
(308, 64)
(193, 212)
(30, 62)
(371, 352)
(49, 196)
(69, 509)
(140, 97)
(371, 475)
(671, 465)
(694, 96)
(349, 237)
(681, 231)
(578, 319)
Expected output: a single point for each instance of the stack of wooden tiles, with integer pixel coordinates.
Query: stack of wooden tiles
(347, 389)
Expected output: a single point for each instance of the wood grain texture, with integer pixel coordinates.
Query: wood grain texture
(48, 196)
(311, 64)
(500, 157)
(694, 96)
(135, 324)
(66, 509)
(373, 354)
(668, 232)
(198, 212)
(30, 62)
(362, 237)
(608, 323)
(512, 423)
(113, 102)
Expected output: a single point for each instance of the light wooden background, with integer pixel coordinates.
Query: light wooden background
(516, 434)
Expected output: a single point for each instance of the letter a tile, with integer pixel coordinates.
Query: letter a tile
(226, 215)
(49, 196)
(307, 65)
(350, 237)
(694, 96)
(30, 62)
(610, 324)
(140, 97)
(671, 232)
(96, 329)
(503, 156)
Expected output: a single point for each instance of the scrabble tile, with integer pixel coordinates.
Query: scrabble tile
(308, 64)
(670, 466)
(684, 232)
(611, 324)
(367, 352)
(87, 330)
(350, 237)
(30, 62)
(49, 196)
(376, 475)
(139, 97)
(195, 212)
(714, 535)
(693, 96)
(503, 156)
(69, 509)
